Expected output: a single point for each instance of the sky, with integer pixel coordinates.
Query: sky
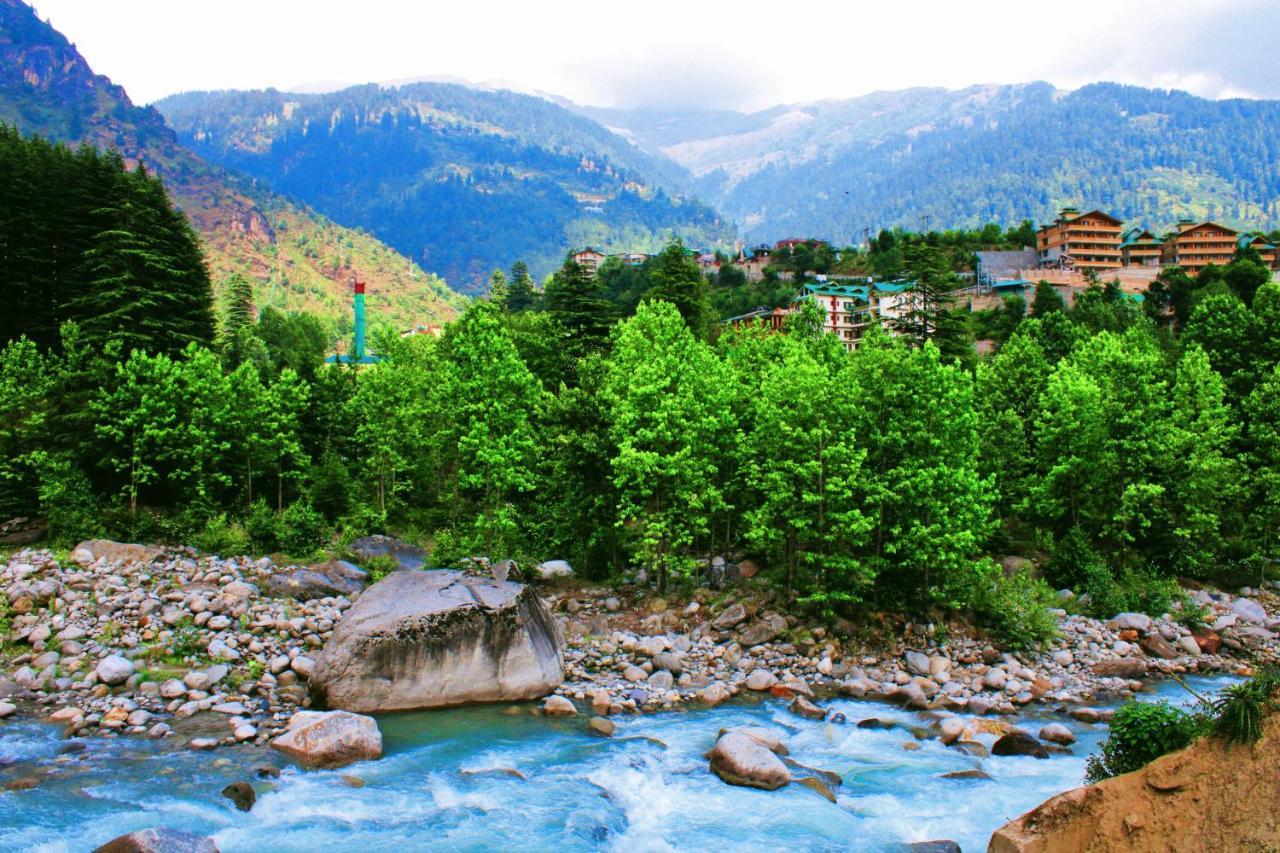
(676, 54)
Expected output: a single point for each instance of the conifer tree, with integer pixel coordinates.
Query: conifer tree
(521, 295)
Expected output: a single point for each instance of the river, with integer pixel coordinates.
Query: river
(448, 780)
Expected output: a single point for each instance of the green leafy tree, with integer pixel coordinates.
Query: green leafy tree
(493, 399)
(137, 420)
(498, 289)
(664, 390)
(802, 459)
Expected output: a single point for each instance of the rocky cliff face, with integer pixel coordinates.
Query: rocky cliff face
(1208, 797)
(48, 88)
(427, 639)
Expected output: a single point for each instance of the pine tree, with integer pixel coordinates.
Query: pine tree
(677, 279)
(574, 300)
(521, 295)
(498, 289)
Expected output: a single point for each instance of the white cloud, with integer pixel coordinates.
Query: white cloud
(745, 54)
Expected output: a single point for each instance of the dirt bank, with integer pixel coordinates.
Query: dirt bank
(1208, 797)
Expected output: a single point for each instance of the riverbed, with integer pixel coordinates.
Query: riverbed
(501, 778)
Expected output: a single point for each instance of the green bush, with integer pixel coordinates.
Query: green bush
(301, 530)
(261, 527)
(222, 536)
(1239, 709)
(68, 503)
(330, 492)
(1133, 590)
(6, 620)
(1018, 608)
(1140, 733)
(380, 566)
(1074, 562)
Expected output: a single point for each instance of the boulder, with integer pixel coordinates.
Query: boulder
(732, 615)
(114, 669)
(951, 730)
(1158, 647)
(1250, 611)
(748, 569)
(1120, 668)
(1208, 641)
(115, 552)
(554, 569)
(328, 739)
(761, 680)
(558, 706)
(1019, 742)
(435, 638)
(602, 726)
(159, 840)
(1132, 622)
(802, 707)
(713, 694)
(918, 663)
(757, 633)
(322, 580)
(409, 557)
(241, 794)
(740, 759)
(945, 846)
(1057, 733)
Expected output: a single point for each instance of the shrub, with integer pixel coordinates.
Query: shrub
(67, 502)
(261, 527)
(1135, 590)
(6, 623)
(301, 530)
(329, 491)
(380, 566)
(221, 536)
(1239, 709)
(1140, 733)
(1074, 562)
(1018, 608)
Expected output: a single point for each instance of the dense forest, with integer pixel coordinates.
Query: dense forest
(1122, 445)
(459, 179)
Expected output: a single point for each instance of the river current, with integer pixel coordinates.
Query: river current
(490, 779)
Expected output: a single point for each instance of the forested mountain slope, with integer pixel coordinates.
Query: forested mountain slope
(461, 179)
(986, 153)
(296, 258)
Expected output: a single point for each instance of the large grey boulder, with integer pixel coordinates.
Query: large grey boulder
(436, 638)
(409, 557)
(123, 552)
(330, 739)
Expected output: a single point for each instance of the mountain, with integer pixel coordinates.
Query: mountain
(296, 258)
(962, 158)
(462, 179)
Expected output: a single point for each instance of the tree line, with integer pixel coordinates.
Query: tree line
(1120, 447)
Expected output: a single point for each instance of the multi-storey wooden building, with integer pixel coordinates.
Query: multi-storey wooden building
(1196, 245)
(1140, 248)
(1266, 249)
(589, 259)
(1081, 241)
(849, 308)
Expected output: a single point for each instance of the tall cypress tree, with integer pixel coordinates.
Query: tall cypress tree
(520, 293)
(574, 299)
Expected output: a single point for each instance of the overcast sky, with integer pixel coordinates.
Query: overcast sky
(693, 53)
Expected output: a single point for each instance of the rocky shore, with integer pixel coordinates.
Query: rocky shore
(207, 651)
(655, 654)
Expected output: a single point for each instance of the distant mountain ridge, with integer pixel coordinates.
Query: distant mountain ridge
(462, 179)
(950, 158)
(296, 258)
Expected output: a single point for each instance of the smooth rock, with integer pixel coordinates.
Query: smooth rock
(742, 760)
(558, 706)
(114, 669)
(241, 794)
(761, 680)
(1019, 742)
(1057, 733)
(159, 840)
(330, 739)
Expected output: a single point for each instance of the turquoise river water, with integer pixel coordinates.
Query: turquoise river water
(446, 781)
